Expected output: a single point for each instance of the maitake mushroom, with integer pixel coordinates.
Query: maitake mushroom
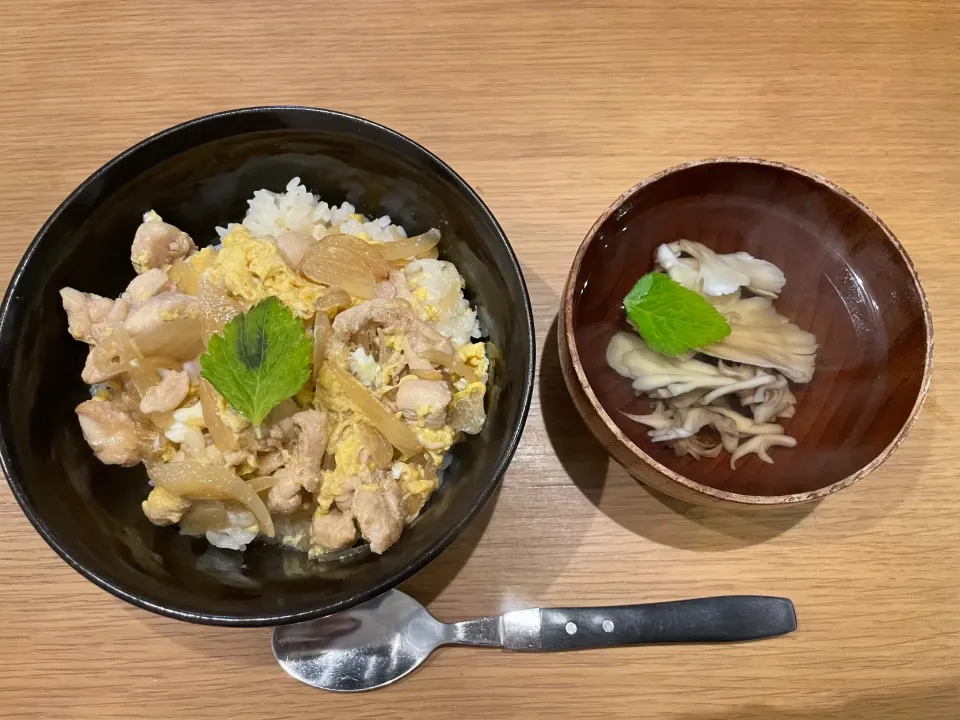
(701, 269)
(761, 336)
(755, 362)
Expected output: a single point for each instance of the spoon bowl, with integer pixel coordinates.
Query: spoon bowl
(375, 644)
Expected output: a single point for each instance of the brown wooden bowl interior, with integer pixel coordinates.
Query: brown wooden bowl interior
(848, 281)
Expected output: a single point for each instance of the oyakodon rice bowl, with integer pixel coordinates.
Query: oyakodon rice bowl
(301, 382)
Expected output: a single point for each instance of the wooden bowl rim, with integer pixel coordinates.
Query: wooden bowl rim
(723, 495)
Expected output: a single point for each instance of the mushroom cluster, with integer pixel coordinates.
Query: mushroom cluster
(738, 387)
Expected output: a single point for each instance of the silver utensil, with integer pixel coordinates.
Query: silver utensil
(382, 640)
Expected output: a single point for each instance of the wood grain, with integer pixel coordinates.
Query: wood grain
(551, 110)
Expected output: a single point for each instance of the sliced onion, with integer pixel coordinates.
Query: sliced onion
(262, 482)
(204, 516)
(194, 444)
(142, 376)
(178, 339)
(203, 481)
(185, 277)
(216, 308)
(425, 374)
(158, 362)
(371, 256)
(447, 300)
(321, 333)
(333, 301)
(378, 448)
(162, 420)
(209, 403)
(410, 247)
(339, 267)
(292, 246)
(451, 362)
(393, 429)
(114, 355)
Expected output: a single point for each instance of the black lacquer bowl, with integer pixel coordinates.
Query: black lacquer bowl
(199, 175)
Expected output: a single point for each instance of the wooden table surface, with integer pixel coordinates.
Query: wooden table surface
(550, 109)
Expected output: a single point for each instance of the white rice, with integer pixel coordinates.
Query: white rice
(241, 531)
(429, 281)
(298, 210)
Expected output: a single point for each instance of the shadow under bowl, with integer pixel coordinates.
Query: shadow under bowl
(199, 175)
(849, 282)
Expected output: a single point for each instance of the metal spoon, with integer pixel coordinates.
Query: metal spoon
(382, 640)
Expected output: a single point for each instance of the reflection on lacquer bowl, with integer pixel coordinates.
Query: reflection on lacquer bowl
(849, 282)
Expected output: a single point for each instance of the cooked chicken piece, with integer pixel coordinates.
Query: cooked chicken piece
(400, 287)
(424, 401)
(269, 462)
(344, 500)
(248, 440)
(237, 457)
(384, 290)
(164, 508)
(333, 530)
(304, 471)
(93, 373)
(284, 497)
(379, 513)
(118, 313)
(283, 430)
(84, 311)
(166, 395)
(143, 287)
(111, 433)
(393, 315)
(312, 440)
(157, 244)
(211, 452)
(160, 309)
(466, 410)
(414, 361)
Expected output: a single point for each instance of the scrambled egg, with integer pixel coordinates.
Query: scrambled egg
(203, 259)
(253, 269)
(164, 508)
(474, 356)
(305, 396)
(330, 396)
(436, 442)
(474, 390)
(414, 484)
(346, 445)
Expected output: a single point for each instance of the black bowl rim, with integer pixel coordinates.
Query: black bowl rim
(279, 618)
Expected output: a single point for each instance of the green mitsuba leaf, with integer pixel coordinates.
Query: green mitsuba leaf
(262, 358)
(671, 318)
